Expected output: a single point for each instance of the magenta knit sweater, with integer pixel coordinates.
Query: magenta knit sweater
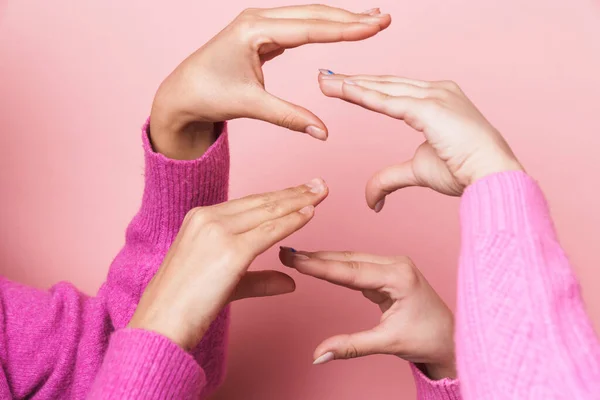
(62, 344)
(522, 332)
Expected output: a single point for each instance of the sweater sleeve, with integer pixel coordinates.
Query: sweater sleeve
(53, 344)
(427, 389)
(143, 365)
(522, 329)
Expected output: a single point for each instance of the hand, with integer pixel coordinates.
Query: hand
(224, 80)
(206, 267)
(415, 325)
(461, 145)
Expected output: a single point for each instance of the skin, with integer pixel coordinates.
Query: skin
(206, 267)
(223, 80)
(460, 147)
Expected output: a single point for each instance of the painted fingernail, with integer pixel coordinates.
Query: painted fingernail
(326, 72)
(379, 205)
(316, 186)
(325, 358)
(316, 132)
(290, 249)
(307, 210)
(349, 82)
(372, 11)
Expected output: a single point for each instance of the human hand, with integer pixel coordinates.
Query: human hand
(461, 145)
(206, 267)
(223, 80)
(416, 324)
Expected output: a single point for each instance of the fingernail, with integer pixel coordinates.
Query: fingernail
(379, 205)
(290, 249)
(307, 210)
(372, 11)
(373, 20)
(326, 72)
(316, 186)
(349, 82)
(316, 132)
(325, 358)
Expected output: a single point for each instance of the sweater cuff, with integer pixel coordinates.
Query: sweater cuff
(174, 187)
(144, 365)
(505, 202)
(427, 389)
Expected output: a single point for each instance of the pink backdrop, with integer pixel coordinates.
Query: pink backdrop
(76, 83)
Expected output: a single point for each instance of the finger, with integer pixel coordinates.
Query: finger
(326, 76)
(277, 111)
(270, 232)
(256, 200)
(319, 11)
(250, 219)
(387, 181)
(263, 284)
(396, 88)
(358, 275)
(290, 33)
(343, 347)
(345, 256)
(395, 107)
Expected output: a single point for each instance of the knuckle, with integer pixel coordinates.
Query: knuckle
(348, 255)
(272, 208)
(450, 85)
(351, 351)
(213, 229)
(198, 216)
(247, 24)
(249, 11)
(288, 120)
(354, 265)
(268, 227)
(406, 275)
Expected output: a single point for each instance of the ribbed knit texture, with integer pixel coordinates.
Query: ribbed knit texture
(53, 344)
(427, 389)
(522, 331)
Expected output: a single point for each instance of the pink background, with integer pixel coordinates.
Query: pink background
(76, 83)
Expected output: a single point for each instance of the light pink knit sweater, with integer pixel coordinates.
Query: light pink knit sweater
(522, 332)
(521, 328)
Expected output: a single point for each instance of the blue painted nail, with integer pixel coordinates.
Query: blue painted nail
(326, 72)
(287, 249)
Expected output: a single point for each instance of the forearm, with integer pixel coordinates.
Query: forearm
(522, 330)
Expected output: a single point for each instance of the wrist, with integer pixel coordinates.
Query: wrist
(438, 371)
(177, 137)
(493, 162)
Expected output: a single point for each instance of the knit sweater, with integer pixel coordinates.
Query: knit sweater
(63, 344)
(522, 331)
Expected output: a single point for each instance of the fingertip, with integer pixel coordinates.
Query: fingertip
(317, 132)
(379, 205)
(324, 358)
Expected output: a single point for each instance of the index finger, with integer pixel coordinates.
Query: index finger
(290, 33)
(359, 275)
(321, 11)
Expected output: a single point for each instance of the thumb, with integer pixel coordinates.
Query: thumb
(387, 181)
(270, 108)
(343, 347)
(263, 284)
